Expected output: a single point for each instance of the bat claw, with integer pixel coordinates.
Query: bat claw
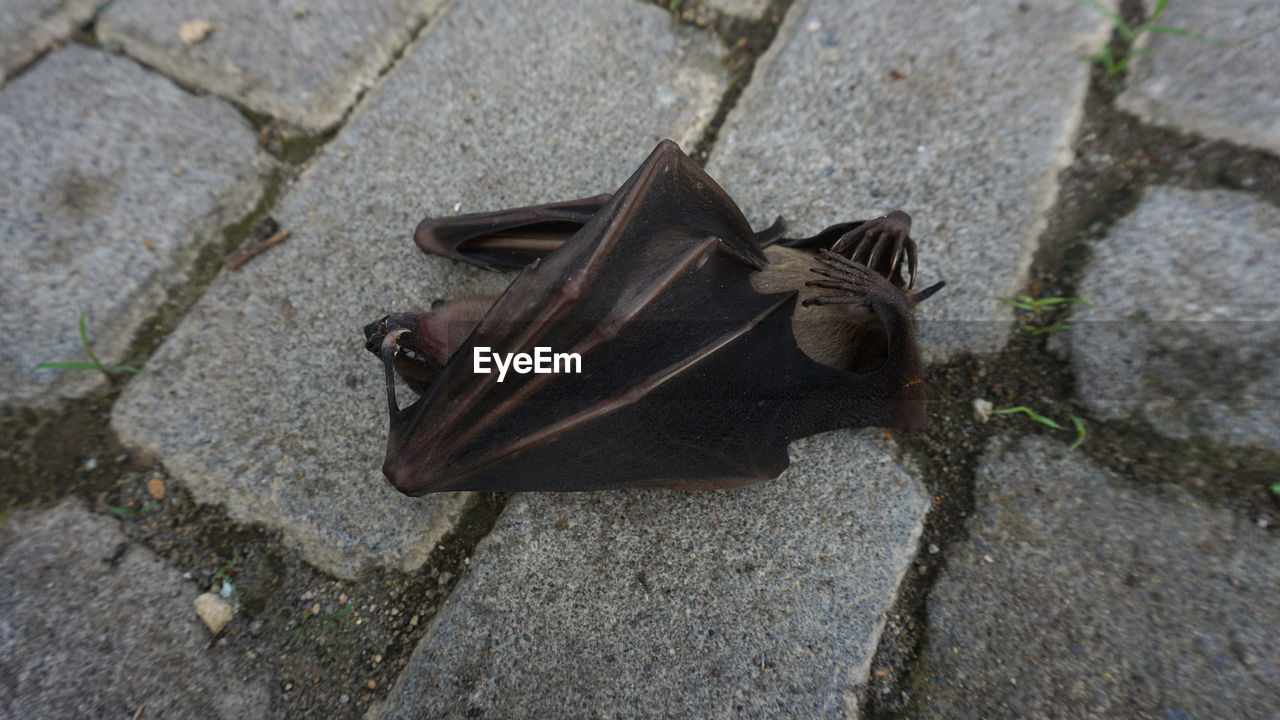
(882, 245)
(388, 352)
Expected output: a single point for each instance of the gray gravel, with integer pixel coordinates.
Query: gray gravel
(92, 625)
(1185, 324)
(28, 27)
(961, 115)
(303, 62)
(114, 178)
(761, 602)
(1077, 594)
(265, 399)
(1231, 93)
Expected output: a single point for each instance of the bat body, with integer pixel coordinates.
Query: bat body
(705, 347)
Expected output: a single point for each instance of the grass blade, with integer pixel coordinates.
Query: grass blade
(1080, 432)
(84, 341)
(1031, 414)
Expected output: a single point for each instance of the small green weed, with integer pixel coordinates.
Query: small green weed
(1026, 302)
(1080, 432)
(328, 621)
(130, 512)
(338, 616)
(301, 626)
(95, 363)
(1113, 62)
(1031, 414)
(1036, 305)
(1076, 422)
(223, 575)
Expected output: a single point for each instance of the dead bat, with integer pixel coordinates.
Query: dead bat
(704, 347)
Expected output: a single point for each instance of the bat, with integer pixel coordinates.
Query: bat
(703, 347)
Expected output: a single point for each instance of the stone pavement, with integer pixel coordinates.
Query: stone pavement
(137, 136)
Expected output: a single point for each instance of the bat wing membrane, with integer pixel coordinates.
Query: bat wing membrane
(689, 377)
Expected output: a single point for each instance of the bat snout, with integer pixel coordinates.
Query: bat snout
(419, 357)
(374, 333)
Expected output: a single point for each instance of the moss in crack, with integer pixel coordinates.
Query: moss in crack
(181, 298)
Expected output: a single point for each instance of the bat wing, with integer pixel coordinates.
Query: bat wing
(508, 238)
(516, 237)
(689, 377)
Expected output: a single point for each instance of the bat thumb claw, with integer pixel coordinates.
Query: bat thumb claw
(389, 348)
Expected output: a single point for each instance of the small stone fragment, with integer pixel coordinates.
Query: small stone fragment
(982, 409)
(214, 611)
(194, 31)
(155, 486)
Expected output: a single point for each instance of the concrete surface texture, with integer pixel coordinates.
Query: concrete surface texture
(304, 63)
(718, 604)
(1231, 92)
(1184, 324)
(96, 626)
(115, 178)
(29, 27)
(1078, 595)
(944, 574)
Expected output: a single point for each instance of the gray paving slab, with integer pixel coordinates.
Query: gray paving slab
(1232, 93)
(962, 115)
(303, 62)
(766, 601)
(749, 9)
(114, 179)
(92, 625)
(1077, 594)
(265, 398)
(1185, 324)
(29, 27)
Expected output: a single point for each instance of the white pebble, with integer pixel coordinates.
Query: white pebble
(982, 409)
(214, 611)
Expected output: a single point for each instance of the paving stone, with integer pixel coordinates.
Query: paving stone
(92, 625)
(29, 27)
(304, 62)
(1230, 93)
(265, 398)
(749, 9)
(1183, 331)
(1078, 594)
(962, 115)
(114, 179)
(766, 601)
